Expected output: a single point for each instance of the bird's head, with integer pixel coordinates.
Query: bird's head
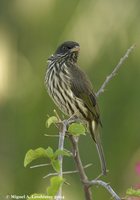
(68, 50)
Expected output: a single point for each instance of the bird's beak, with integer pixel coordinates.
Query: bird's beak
(75, 49)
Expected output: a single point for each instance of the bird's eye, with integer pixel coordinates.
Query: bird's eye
(66, 48)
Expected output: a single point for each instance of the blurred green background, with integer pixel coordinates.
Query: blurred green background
(30, 31)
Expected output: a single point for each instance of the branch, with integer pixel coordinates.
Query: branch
(62, 133)
(80, 168)
(114, 72)
(105, 185)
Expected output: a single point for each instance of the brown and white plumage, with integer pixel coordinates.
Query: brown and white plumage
(72, 91)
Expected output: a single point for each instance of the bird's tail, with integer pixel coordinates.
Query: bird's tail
(96, 137)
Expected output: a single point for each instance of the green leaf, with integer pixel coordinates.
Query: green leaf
(76, 129)
(56, 165)
(51, 120)
(56, 182)
(49, 152)
(38, 197)
(133, 192)
(61, 152)
(34, 154)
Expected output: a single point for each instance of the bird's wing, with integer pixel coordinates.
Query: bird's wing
(82, 89)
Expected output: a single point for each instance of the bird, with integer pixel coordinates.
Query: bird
(72, 92)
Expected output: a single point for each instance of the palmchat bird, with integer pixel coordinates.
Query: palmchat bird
(72, 91)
